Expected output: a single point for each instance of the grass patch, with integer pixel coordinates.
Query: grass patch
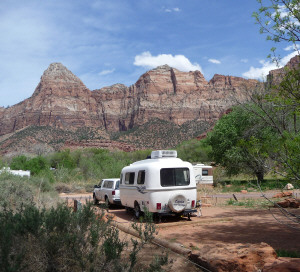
(251, 185)
(249, 203)
(287, 253)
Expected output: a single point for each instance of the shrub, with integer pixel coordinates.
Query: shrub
(34, 165)
(15, 191)
(60, 240)
(18, 163)
(63, 159)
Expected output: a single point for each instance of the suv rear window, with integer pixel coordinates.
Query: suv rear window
(174, 177)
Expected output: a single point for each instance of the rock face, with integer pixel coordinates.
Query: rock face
(276, 75)
(62, 101)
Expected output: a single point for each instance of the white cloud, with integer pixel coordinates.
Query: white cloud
(172, 10)
(106, 72)
(215, 61)
(292, 47)
(266, 66)
(179, 62)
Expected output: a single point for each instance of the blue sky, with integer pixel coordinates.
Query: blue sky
(105, 42)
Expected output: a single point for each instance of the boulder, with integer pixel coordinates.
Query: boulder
(289, 186)
(289, 203)
(283, 194)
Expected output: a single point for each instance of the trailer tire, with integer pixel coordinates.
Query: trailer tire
(177, 203)
(137, 210)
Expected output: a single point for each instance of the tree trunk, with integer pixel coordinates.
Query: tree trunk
(260, 175)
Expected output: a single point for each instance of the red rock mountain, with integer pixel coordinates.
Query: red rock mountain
(62, 102)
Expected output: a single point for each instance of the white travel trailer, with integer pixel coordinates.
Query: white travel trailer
(203, 174)
(163, 184)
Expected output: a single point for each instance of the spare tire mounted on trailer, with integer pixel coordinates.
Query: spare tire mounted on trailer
(177, 203)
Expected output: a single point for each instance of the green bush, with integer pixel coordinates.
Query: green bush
(18, 163)
(34, 165)
(287, 253)
(60, 240)
(15, 191)
(64, 159)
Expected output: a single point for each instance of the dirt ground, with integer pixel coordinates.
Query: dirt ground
(222, 225)
(227, 225)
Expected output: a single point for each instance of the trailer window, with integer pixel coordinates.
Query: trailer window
(141, 177)
(129, 178)
(174, 177)
(204, 172)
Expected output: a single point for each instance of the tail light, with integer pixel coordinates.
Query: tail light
(158, 206)
(113, 192)
(193, 203)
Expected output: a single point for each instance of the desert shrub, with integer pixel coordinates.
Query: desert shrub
(63, 159)
(15, 191)
(58, 239)
(42, 183)
(63, 188)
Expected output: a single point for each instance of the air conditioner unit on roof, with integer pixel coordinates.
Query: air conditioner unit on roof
(163, 154)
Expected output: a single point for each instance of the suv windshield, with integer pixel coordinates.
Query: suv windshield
(174, 177)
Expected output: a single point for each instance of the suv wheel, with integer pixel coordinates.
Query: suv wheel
(107, 202)
(95, 199)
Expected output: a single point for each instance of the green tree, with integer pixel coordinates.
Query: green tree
(64, 159)
(18, 163)
(279, 19)
(278, 101)
(36, 165)
(194, 151)
(238, 145)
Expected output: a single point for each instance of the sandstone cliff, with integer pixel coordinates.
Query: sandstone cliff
(183, 100)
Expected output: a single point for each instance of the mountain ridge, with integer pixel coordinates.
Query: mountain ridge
(181, 99)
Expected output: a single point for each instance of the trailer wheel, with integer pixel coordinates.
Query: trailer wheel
(95, 199)
(137, 210)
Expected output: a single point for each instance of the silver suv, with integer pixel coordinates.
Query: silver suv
(107, 190)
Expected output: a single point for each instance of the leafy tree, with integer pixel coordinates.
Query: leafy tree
(279, 19)
(18, 163)
(277, 103)
(194, 151)
(36, 165)
(238, 145)
(63, 159)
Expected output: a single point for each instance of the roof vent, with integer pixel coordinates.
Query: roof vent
(163, 154)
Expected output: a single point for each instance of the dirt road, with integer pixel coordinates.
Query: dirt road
(223, 224)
